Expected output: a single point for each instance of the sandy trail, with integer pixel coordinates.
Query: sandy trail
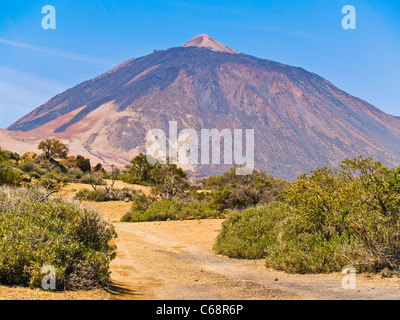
(173, 260)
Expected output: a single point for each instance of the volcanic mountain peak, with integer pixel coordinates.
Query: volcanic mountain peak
(300, 120)
(206, 41)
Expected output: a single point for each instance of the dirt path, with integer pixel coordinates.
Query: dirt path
(174, 260)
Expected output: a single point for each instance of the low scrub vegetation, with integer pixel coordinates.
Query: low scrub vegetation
(231, 191)
(328, 219)
(174, 197)
(145, 210)
(107, 194)
(9, 174)
(51, 168)
(250, 233)
(36, 231)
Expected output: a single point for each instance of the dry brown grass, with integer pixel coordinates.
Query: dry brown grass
(71, 188)
(19, 293)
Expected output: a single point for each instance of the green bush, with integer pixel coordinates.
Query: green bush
(35, 232)
(57, 175)
(231, 191)
(347, 216)
(299, 250)
(5, 154)
(250, 233)
(374, 212)
(75, 174)
(28, 166)
(289, 240)
(9, 175)
(94, 179)
(142, 202)
(168, 180)
(34, 175)
(139, 171)
(91, 195)
(170, 210)
(108, 194)
(49, 184)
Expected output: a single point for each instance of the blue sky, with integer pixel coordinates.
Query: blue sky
(93, 36)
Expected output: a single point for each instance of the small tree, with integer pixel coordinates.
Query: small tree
(94, 179)
(170, 181)
(231, 191)
(115, 174)
(139, 170)
(53, 148)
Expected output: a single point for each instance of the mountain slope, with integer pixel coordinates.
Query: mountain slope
(300, 119)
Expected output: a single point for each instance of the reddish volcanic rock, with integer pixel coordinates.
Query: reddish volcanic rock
(300, 120)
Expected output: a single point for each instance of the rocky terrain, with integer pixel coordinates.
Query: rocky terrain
(300, 119)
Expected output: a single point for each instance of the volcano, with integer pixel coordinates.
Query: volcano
(300, 120)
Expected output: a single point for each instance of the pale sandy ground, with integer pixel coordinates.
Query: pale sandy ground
(71, 188)
(174, 260)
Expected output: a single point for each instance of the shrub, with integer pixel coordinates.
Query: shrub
(9, 175)
(142, 202)
(374, 215)
(91, 195)
(346, 216)
(37, 232)
(75, 174)
(34, 175)
(30, 167)
(299, 250)
(250, 233)
(171, 181)
(139, 171)
(53, 148)
(49, 183)
(167, 179)
(8, 155)
(333, 218)
(231, 191)
(107, 194)
(56, 175)
(94, 179)
(170, 210)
